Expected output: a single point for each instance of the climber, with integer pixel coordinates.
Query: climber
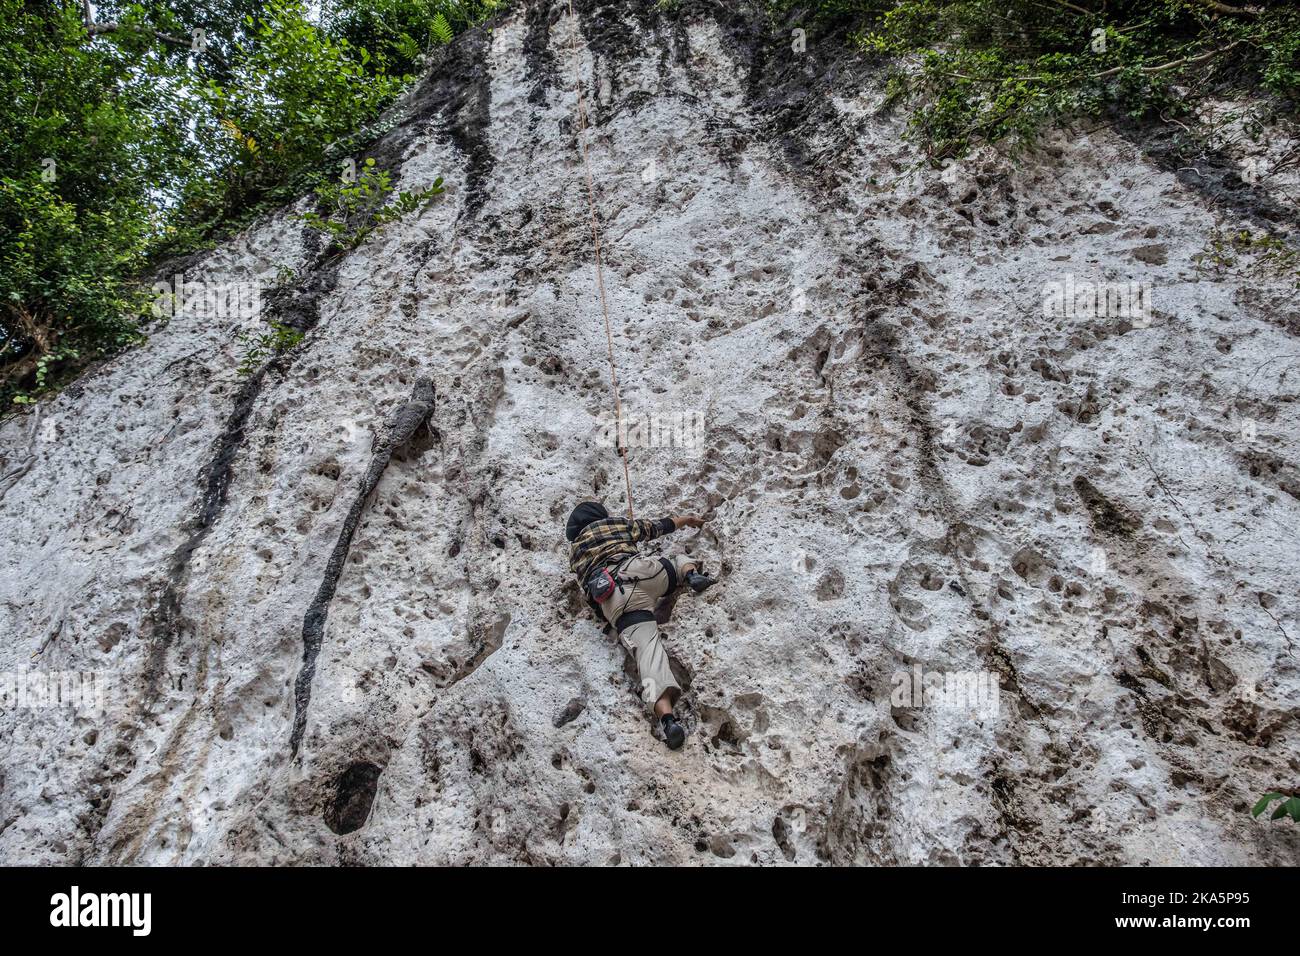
(623, 587)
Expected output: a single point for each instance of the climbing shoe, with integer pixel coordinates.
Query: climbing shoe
(674, 733)
(699, 582)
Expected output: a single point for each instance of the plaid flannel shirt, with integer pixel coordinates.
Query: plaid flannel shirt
(605, 542)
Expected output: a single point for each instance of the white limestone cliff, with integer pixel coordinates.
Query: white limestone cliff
(904, 462)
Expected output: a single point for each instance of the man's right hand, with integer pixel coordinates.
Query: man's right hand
(688, 521)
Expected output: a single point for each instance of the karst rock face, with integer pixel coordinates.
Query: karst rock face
(326, 599)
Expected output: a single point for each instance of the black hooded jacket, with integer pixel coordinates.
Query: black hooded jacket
(583, 515)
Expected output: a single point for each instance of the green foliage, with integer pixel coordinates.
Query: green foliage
(260, 346)
(127, 142)
(1245, 254)
(980, 71)
(86, 133)
(356, 209)
(440, 28)
(403, 31)
(1289, 807)
(139, 139)
(293, 93)
(42, 377)
(819, 12)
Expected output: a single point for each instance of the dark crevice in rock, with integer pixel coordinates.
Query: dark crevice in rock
(400, 430)
(354, 795)
(1262, 466)
(298, 306)
(1107, 517)
(571, 711)
(781, 834)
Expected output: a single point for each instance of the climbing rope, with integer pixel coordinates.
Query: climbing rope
(600, 272)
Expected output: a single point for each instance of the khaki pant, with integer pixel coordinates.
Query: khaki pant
(643, 640)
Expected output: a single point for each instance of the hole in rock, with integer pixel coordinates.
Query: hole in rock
(353, 798)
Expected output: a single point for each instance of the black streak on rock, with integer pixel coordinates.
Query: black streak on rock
(791, 93)
(402, 427)
(612, 41)
(538, 56)
(458, 90)
(297, 306)
(1211, 172)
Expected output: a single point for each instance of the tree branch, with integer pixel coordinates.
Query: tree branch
(94, 29)
(1224, 8)
(1172, 64)
(1071, 6)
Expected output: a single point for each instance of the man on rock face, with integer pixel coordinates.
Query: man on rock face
(623, 587)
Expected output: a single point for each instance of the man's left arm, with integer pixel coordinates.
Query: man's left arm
(643, 530)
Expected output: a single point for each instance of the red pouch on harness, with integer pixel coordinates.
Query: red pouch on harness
(600, 585)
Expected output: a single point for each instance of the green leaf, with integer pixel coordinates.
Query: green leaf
(1263, 803)
(441, 29)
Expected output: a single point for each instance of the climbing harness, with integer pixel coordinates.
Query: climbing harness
(600, 275)
(603, 583)
(630, 618)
